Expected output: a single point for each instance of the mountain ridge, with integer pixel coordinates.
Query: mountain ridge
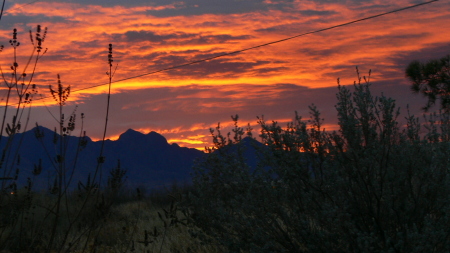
(149, 159)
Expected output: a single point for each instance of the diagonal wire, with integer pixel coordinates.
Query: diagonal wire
(254, 47)
(22, 5)
(258, 46)
(3, 7)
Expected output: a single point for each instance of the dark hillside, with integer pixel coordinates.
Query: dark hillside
(150, 161)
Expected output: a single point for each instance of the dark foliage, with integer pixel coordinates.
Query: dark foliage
(431, 79)
(369, 187)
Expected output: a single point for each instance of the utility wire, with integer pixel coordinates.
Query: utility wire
(3, 6)
(22, 5)
(258, 46)
(254, 47)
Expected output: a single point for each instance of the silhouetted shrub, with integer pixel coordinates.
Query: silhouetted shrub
(372, 186)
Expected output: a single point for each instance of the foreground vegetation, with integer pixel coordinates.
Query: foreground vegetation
(133, 223)
(372, 186)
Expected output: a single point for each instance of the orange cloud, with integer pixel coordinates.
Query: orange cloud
(81, 43)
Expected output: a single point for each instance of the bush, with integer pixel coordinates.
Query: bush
(372, 186)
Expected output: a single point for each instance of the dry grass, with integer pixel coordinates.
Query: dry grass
(131, 225)
(125, 228)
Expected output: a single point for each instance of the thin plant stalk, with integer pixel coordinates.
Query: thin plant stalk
(110, 76)
(100, 158)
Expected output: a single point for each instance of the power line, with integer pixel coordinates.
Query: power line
(22, 5)
(3, 6)
(258, 46)
(254, 47)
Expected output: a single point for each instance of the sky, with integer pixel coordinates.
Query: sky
(183, 103)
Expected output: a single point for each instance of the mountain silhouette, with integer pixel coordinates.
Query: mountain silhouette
(150, 161)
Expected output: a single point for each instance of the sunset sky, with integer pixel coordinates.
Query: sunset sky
(182, 104)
